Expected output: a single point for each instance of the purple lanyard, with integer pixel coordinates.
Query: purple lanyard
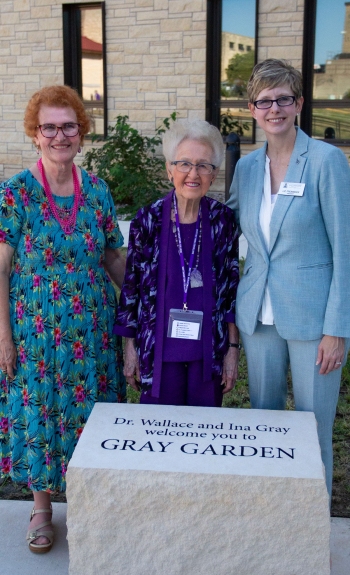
(186, 280)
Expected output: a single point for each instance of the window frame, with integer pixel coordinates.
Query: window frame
(72, 53)
(213, 66)
(309, 39)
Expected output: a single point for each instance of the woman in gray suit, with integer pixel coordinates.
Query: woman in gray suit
(292, 202)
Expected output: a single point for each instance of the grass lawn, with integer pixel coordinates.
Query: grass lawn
(339, 119)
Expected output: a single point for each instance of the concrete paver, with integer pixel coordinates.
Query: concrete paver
(340, 546)
(16, 559)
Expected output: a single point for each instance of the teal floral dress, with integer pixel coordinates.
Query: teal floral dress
(62, 310)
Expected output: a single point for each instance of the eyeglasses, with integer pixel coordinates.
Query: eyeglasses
(69, 129)
(282, 102)
(185, 167)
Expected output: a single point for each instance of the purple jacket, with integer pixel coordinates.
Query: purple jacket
(141, 307)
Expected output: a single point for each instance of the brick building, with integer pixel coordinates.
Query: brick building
(155, 56)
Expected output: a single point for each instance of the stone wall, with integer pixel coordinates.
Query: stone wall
(156, 58)
(31, 52)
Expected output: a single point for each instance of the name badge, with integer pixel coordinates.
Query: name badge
(291, 189)
(185, 324)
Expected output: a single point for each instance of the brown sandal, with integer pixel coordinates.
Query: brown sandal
(33, 534)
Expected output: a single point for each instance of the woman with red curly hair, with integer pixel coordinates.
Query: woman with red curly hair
(59, 241)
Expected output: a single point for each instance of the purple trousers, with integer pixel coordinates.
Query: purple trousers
(182, 384)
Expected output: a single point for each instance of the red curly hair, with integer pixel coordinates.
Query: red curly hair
(56, 96)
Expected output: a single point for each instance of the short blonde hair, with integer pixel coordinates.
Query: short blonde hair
(60, 97)
(199, 130)
(272, 73)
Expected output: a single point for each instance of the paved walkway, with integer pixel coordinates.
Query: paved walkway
(16, 559)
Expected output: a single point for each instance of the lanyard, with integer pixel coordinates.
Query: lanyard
(185, 280)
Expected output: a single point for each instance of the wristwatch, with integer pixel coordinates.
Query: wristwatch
(237, 345)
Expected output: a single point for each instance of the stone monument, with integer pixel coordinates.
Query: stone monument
(167, 490)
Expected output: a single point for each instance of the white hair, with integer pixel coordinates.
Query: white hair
(193, 130)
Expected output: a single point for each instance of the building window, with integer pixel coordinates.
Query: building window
(85, 59)
(326, 70)
(228, 71)
(232, 45)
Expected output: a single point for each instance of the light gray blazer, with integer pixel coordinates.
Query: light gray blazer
(307, 266)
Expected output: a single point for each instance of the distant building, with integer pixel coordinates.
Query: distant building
(332, 80)
(232, 44)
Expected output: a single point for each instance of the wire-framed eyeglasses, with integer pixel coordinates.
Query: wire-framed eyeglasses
(203, 169)
(69, 129)
(282, 102)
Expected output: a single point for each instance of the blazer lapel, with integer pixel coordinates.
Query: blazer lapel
(294, 174)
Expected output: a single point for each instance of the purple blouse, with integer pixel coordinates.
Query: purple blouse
(181, 349)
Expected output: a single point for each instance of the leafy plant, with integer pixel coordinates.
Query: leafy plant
(238, 73)
(230, 123)
(128, 163)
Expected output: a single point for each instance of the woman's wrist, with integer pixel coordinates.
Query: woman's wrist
(6, 334)
(233, 344)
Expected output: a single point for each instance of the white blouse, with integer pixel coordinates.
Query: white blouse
(267, 205)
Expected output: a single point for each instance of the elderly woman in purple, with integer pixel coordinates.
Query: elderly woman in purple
(177, 305)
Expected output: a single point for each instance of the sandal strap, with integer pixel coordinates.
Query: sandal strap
(35, 533)
(36, 547)
(36, 511)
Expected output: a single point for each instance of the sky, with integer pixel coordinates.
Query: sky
(238, 16)
(330, 17)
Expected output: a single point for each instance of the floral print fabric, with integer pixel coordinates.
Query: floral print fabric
(62, 309)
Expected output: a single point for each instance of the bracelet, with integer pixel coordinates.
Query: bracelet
(237, 345)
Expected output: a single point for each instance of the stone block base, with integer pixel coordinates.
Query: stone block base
(131, 522)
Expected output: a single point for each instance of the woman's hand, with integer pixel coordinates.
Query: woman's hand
(231, 359)
(8, 356)
(330, 353)
(131, 364)
(230, 369)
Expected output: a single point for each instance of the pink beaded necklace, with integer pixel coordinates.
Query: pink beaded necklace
(66, 217)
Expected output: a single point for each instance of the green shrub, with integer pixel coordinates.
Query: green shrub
(229, 123)
(127, 161)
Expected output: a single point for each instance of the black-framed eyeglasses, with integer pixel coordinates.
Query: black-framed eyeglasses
(282, 102)
(69, 129)
(203, 169)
